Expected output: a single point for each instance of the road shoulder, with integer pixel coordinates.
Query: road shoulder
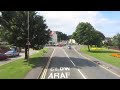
(36, 72)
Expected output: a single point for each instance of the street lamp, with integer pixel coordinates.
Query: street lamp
(28, 43)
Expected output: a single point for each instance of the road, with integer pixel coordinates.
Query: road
(68, 64)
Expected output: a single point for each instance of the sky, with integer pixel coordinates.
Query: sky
(107, 22)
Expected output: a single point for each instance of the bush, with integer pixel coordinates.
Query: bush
(44, 51)
(38, 47)
(96, 49)
(115, 55)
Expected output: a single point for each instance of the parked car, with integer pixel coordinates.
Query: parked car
(3, 56)
(12, 53)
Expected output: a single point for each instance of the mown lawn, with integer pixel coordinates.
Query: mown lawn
(103, 55)
(19, 68)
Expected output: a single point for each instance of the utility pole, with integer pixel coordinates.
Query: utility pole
(28, 43)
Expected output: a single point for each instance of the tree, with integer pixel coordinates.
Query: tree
(14, 24)
(98, 38)
(64, 36)
(61, 36)
(87, 35)
(116, 40)
(84, 34)
(69, 37)
(1, 34)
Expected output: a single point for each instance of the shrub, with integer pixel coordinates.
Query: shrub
(96, 48)
(115, 55)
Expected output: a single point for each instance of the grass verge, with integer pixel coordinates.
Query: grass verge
(19, 68)
(103, 55)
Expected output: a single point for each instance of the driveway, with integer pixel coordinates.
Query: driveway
(22, 55)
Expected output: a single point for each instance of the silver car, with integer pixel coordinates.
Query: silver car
(12, 53)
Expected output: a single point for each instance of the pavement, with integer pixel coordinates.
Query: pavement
(67, 63)
(22, 55)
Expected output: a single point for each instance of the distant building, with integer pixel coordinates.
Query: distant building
(107, 39)
(72, 41)
(53, 37)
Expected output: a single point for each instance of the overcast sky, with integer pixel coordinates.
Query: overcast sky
(108, 22)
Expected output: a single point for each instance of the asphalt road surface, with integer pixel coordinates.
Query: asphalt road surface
(68, 64)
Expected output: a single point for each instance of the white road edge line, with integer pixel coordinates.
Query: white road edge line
(95, 63)
(46, 67)
(110, 71)
(75, 65)
(81, 74)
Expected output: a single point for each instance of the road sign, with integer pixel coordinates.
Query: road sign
(28, 43)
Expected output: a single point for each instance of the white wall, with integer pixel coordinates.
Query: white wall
(54, 37)
(72, 41)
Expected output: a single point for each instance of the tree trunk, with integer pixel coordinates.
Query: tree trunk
(19, 49)
(90, 45)
(88, 48)
(26, 56)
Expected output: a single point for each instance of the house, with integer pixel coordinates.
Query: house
(107, 40)
(53, 38)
